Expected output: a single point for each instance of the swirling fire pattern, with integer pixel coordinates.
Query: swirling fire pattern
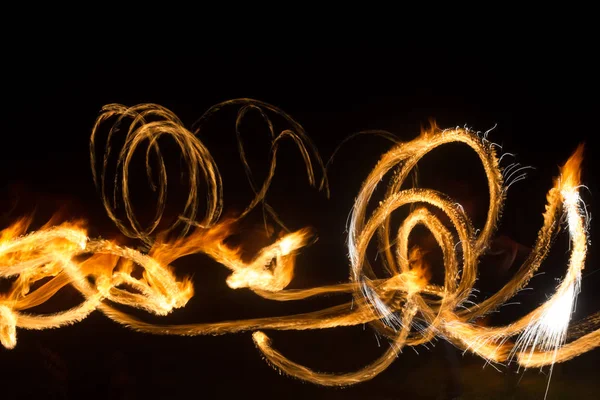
(106, 273)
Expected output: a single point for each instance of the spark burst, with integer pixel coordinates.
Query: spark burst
(102, 270)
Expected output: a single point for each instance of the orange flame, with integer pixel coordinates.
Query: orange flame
(570, 172)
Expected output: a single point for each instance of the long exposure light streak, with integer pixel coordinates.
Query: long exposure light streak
(42, 262)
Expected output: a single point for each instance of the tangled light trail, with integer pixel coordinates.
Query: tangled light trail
(40, 263)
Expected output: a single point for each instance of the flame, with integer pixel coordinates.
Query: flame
(104, 272)
(419, 268)
(570, 172)
(415, 279)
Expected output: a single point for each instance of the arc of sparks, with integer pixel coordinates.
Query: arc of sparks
(44, 261)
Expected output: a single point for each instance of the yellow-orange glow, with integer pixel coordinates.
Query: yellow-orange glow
(61, 254)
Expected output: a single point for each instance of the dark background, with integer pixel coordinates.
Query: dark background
(543, 100)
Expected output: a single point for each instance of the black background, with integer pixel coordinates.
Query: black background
(543, 101)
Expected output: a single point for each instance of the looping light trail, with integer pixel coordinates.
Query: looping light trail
(40, 263)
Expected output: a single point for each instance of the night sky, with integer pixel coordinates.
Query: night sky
(543, 103)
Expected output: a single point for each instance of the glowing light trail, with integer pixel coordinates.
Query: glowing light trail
(103, 271)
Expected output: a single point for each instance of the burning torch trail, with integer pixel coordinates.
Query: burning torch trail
(63, 254)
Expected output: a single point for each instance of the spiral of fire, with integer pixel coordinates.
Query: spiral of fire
(44, 261)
